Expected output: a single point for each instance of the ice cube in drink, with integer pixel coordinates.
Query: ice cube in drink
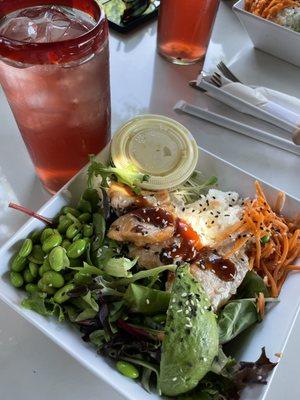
(62, 107)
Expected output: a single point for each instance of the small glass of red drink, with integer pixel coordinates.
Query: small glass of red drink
(184, 29)
(54, 69)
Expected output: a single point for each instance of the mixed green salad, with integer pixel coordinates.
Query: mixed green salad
(158, 324)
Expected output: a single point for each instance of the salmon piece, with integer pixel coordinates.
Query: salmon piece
(148, 256)
(122, 198)
(143, 226)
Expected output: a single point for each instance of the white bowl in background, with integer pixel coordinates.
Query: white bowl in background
(270, 37)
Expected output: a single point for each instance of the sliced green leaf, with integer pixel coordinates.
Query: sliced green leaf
(97, 338)
(251, 286)
(141, 299)
(88, 298)
(129, 176)
(149, 273)
(119, 267)
(235, 317)
(39, 303)
(86, 314)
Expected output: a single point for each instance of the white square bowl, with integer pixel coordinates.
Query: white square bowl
(270, 37)
(272, 333)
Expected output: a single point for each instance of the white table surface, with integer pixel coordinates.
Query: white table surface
(31, 366)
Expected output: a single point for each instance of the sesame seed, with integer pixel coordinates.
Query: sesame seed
(174, 379)
(147, 301)
(184, 294)
(179, 311)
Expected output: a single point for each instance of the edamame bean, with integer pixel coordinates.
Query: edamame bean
(127, 369)
(77, 237)
(16, 279)
(35, 236)
(85, 217)
(34, 269)
(51, 242)
(44, 268)
(73, 230)
(76, 249)
(82, 278)
(88, 230)
(84, 206)
(72, 218)
(18, 263)
(58, 259)
(31, 288)
(45, 288)
(46, 233)
(70, 210)
(28, 278)
(66, 244)
(26, 248)
(62, 294)
(37, 255)
(64, 224)
(53, 279)
(92, 196)
(61, 218)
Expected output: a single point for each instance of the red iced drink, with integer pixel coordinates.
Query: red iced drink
(54, 69)
(184, 28)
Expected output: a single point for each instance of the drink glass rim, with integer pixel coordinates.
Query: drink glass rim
(57, 52)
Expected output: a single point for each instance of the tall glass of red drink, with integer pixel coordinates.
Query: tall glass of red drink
(54, 69)
(184, 28)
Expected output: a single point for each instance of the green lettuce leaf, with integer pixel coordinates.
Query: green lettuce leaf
(235, 317)
(90, 301)
(130, 176)
(142, 299)
(119, 267)
(39, 303)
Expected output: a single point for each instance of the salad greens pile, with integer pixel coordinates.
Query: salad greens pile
(170, 339)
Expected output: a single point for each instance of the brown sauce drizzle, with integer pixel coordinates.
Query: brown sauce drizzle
(223, 268)
(155, 216)
(189, 248)
(187, 245)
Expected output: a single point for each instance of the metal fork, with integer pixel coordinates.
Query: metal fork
(216, 79)
(226, 72)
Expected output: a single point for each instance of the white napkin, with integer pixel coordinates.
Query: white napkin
(278, 104)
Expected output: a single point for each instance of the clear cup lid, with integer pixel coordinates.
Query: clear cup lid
(158, 146)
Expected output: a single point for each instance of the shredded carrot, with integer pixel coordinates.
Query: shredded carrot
(238, 244)
(232, 229)
(293, 267)
(269, 9)
(272, 241)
